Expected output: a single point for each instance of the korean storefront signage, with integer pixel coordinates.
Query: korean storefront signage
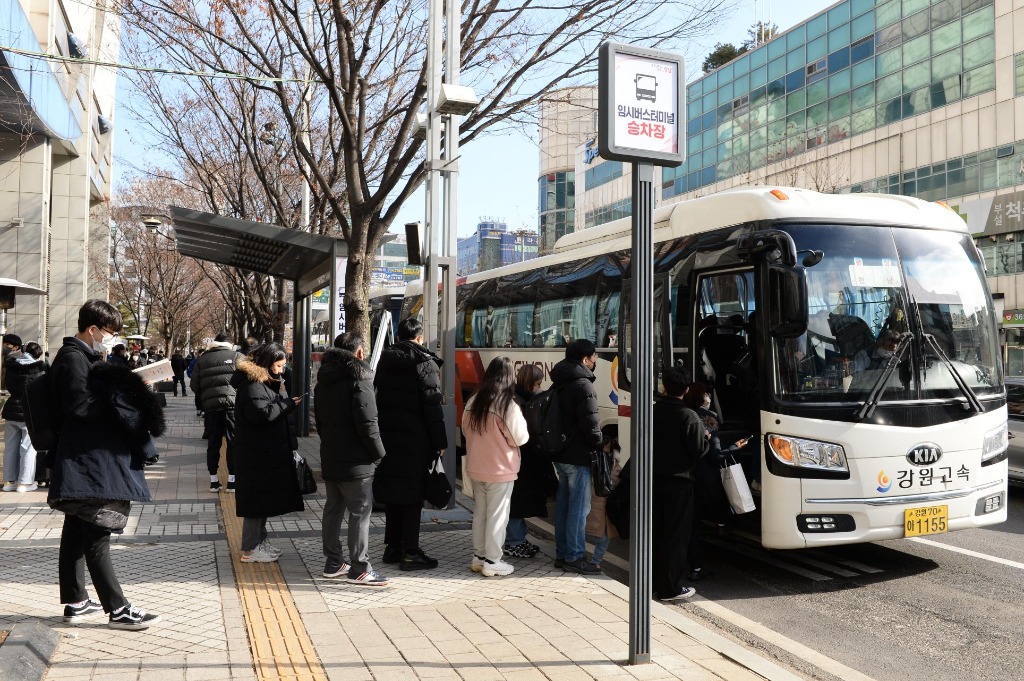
(999, 214)
(1013, 318)
(640, 105)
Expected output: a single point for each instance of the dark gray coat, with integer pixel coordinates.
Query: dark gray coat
(408, 383)
(18, 372)
(346, 417)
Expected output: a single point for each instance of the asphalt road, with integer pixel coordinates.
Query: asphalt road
(906, 610)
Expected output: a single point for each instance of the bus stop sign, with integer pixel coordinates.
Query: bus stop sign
(641, 95)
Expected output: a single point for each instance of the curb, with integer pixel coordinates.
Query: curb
(26, 654)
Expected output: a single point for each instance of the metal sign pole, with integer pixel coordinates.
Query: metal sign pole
(641, 418)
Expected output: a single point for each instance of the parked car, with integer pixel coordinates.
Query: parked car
(1015, 410)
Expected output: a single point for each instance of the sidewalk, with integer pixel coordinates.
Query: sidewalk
(227, 620)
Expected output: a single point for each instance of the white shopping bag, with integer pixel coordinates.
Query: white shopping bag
(467, 483)
(734, 480)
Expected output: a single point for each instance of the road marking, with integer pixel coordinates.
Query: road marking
(798, 650)
(860, 566)
(821, 565)
(968, 552)
(782, 565)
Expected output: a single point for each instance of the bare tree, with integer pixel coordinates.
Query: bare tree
(362, 66)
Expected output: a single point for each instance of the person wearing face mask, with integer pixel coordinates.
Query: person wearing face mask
(105, 420)
(266, 485)
(867, 368)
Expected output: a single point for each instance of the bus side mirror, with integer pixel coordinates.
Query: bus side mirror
(787, 292)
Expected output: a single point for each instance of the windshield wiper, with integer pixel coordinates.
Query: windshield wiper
(876, 390)
(972, 397)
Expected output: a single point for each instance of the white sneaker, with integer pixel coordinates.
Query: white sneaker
(273, 550)
(10, 486)
(258, 555)
(27, 488)
(477, 564)
(496, 568)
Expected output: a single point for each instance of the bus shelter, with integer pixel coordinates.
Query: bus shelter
(310, 261)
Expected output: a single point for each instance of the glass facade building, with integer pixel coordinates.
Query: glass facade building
(493, 245)
(851, 69)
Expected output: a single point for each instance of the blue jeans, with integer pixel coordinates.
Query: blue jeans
(515, 531)
(571, 508)
(600, 546)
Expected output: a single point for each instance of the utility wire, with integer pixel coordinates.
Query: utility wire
(152, 69)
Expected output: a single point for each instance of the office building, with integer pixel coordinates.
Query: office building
(493, 245)
(568, 118)
(56, 149)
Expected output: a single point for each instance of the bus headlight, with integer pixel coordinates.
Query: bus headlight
(995, 443)
(797, 451)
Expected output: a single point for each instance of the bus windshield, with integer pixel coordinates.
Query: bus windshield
(915, 293)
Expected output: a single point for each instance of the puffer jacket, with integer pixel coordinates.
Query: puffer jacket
(18, 372)
(345, 409)
(211, 378)
(265, 480)
(578, 402)
(408, 383)
(492, 453)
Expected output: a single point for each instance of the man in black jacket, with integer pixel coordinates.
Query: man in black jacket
(97, 464)
(350, 449)
(408, 383)
(573, 377)
(211, 382)
(680, 440)
(178, 366)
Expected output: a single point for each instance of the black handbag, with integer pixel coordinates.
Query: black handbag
(437, 490)
(601, 472)
(307, 483)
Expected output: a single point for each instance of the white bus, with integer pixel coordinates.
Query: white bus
(789, 304)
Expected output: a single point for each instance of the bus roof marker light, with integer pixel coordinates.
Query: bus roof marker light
(779, 194)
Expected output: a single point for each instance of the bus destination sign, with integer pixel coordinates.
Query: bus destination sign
(640, 105)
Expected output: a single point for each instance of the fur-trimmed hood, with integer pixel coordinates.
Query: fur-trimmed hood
(249, 371)
(337, 365)
(132, 402)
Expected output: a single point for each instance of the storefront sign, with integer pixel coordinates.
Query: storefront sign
(1000, 214)
(1013, 318)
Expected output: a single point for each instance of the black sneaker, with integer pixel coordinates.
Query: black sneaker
(417, 561)
(697, 574)
(582, 566)
(230, 487)
(517, 551)
(132, 618)
(687, 592)
(73, 614)
(392, 555)
(215, 487)
(560, 563)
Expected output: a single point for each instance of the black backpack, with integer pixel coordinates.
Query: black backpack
(543, 416)
(40, 414)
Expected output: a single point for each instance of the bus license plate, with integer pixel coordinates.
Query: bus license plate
(926, 520)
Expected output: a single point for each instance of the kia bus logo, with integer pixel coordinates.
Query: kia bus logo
(924, 454)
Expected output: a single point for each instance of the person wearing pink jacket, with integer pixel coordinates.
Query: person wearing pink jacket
(494, 429)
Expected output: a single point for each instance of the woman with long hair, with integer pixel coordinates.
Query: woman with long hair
(536, 481)
(265, 480)
(494, 429)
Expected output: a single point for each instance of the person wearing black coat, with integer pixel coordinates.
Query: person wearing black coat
(105, 417)
(215, 398)
(266, 484)
(345, 409)
(178, 366)
(679, 443)
(408, 383)
(573, 378)
(19, 455)
(536, 481)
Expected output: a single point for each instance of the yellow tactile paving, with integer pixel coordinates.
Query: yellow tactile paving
(281, 648)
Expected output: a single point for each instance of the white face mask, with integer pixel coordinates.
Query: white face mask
(885, 354)
(707, 402)
(105, 344)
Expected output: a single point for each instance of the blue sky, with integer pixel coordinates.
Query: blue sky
(498, 173)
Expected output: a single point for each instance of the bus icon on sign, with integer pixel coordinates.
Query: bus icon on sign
(646, 87)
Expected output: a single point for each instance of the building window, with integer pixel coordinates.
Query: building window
(1018, 73)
